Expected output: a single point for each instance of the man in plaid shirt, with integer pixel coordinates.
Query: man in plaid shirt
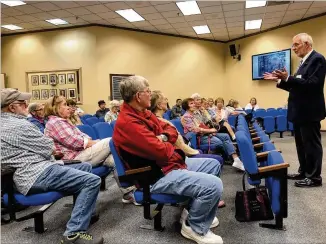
(25, 149)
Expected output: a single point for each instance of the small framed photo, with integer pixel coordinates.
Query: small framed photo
(53, 79)
(34, 79)
(35, 94)
(44, 94)
(62, 79)
(71, 78)
(72, 93)
(53, 92)
(44, 80)
(63, 92)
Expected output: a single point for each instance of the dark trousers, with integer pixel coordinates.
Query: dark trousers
(309, 148)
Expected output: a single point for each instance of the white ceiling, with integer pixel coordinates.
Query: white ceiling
(224, 18)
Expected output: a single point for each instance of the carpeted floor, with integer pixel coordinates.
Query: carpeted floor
(120, 223)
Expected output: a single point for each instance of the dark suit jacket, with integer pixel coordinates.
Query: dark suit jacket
(306, 101)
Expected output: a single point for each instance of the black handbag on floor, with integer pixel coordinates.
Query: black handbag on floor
(252, 204)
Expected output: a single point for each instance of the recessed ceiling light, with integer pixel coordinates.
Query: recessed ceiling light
(130, 15)
(12, 27)
(201, 29)
(255, 4)
(188, 7)
(13, 3)
(253, 24)
(57, 21)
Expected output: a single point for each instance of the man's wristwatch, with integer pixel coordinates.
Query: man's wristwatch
(164, 138)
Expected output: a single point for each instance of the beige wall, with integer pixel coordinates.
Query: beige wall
(240, 84)
(177, 66)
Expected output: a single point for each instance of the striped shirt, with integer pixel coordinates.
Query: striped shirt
(26, 149)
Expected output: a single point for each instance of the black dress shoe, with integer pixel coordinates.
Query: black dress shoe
(296, 176)
(308, 183)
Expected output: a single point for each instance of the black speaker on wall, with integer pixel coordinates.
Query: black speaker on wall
(233, 50)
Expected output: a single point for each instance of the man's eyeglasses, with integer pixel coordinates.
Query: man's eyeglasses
(147, 91)
(20, 103)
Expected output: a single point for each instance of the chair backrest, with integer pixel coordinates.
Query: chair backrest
(178, 125)
(103, 130)
(86, 116)
(281, 123)
(88, 130)
(269, 124)
(232, 120)
(167, 115)
(112, 124)
(101, 119)
(248, 156)
(260, 113)
(119, 166)
(92, 121)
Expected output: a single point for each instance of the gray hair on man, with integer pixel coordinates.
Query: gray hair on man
(304, 37)
(131, 85)
(195, 95)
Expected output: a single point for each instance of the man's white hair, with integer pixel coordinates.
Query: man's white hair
(304, 37)
(195, 95)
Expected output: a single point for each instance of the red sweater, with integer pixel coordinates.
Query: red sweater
(135, 136)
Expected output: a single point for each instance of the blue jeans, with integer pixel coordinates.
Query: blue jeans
(200, 184)
(74, 179)
(220, 140)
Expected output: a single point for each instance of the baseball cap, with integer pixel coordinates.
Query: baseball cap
(10, 95)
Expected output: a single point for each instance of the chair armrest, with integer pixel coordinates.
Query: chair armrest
(258, 145)
(139, 170)
(273, 167)
(255, 139)
(253, 135)
(263, 155)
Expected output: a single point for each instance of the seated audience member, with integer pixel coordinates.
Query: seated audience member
(176, 111)
(25, 149)
(171, 174)
(252, 105)
(79, 111)
(36, 110)
(69, 140)
(234, 108)
(103, 110)
(112, 115)
(74, 118)
(211, 104)
(207, 135)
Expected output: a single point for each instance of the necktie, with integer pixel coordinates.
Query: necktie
(300, 64)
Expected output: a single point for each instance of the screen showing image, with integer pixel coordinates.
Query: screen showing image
(268, 62)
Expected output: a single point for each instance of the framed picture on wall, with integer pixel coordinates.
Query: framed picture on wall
(44, 94)
(34, 79)
(63, 92)
(53, 79)
(62, 79)
(71, 79)
(53, 92)
(72, 93)
(36, 94)
(44, 80)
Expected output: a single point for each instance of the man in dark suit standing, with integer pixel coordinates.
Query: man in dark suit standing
(306, 108)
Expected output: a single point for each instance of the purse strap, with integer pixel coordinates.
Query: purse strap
(243, 181)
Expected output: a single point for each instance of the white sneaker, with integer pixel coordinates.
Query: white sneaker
(209, 238)
(184, 216)
(129, 198)
(238, 164)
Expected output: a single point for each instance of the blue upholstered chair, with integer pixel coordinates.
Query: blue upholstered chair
(103, 130)
(232, 120)
(167, 115)
(275, 174)
(143, 194)
(269, 124)
(113, 124)
(178, 125)
(88, 130)
(281, 124)
(101, 119)
(92, 121)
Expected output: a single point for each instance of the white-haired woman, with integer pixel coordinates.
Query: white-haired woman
(112, 115)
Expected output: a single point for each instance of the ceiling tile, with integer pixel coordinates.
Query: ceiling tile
(235, 24)
(46, 6)
(234, 6)
(101, 22)
(125, 25)
(206, 36)
(214, 16)
(138, 4)
(164, 27)
(60, 13)
(109, 15)
(269, 26)
(172, 14)
(235, 29)
(180, 25)
(27, 18)
(167, 7)
(148, 28)
(185, 30)
(219, 32)
(87, 3)
(141, 23)
(75, 20)
(314, 11)
(43, 16)
(208, 3)
(79, 11)
(4, 16)
(197, 22)
(117, 6)
(254, 17)
(11, 11)
(27, 25)
(274, 15)
(99, 8)
(317, 4)
(66, 4)
(118, 21)
(218, 26)
(211, 9)
(41, 23)
(234, 19)
(154, 3)
(233, 13)
(298, 12)
(152, 16)
(277, 8)
(299, 5)
(10, 20)
(250, 11)
(216, 21)
(170, 31)
(158, 22)
(222, 39)
(248, 32)
(272, 20)
(229, 2)
(2, 7)
(146, 10)
(90, 17)
(176, 20)
(194, 17)
(28, 9)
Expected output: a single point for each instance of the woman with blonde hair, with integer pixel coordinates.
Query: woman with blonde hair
(252, 105)
(112, 115)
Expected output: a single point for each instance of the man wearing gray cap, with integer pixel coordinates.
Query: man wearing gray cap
(25, 149)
